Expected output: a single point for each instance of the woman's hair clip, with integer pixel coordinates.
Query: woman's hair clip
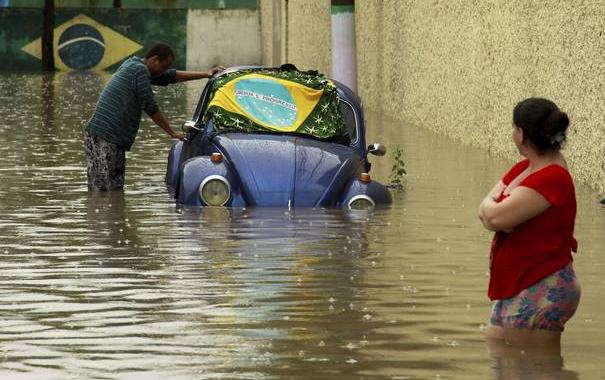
(558, 138)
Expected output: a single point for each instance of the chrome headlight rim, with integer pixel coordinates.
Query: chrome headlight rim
(358, 197)
(211, 178)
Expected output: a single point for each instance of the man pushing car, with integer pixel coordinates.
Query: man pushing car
(111, 130)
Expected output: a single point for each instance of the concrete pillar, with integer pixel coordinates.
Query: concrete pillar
(344, 65)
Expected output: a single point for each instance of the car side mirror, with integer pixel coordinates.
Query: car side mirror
(377, 149)
(190, 126)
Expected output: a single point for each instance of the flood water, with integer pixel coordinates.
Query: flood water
(127, 285)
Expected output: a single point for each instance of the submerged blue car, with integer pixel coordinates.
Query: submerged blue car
(275, 137)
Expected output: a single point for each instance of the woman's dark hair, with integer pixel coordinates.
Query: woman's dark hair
(542, 122)
(163, 51)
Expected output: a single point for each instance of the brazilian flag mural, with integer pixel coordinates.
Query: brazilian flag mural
(89, 39)
(276, 100)
(82, 43)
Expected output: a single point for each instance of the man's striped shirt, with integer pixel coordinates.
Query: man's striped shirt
(118, 112)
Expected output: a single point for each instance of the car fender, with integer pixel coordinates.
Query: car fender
(340, 182)
(195, 170)
(377, 192)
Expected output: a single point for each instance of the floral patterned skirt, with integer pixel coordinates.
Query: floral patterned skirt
(546, 305)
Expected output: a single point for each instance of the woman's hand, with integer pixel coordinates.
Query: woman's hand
(521, 205)
(488, 201)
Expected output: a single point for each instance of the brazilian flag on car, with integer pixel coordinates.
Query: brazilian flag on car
(276, 100)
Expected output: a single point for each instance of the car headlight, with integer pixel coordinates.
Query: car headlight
(215, 190)
(361, 202)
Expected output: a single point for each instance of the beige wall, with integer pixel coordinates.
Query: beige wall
(267, 22)
(226, 37)
(459, 67)
(302, 29)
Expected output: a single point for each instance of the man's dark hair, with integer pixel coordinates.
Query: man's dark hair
(163, 51)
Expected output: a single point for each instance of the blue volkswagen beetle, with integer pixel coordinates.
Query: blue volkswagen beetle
(275, 137)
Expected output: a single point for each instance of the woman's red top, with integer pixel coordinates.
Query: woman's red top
(540, 246)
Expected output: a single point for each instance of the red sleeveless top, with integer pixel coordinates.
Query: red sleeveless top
(540, 246)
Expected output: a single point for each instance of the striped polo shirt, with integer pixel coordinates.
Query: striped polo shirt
(118, 112)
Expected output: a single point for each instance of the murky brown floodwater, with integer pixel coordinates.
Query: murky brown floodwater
(126, 285)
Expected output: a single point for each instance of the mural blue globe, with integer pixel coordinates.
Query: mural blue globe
(81, 47)
(267, 100)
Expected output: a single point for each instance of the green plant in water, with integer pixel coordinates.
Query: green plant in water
(398, 169)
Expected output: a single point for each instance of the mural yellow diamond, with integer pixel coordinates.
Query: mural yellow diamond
(84, 44)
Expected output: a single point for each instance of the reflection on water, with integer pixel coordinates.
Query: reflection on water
(128, 285)
(529, 363)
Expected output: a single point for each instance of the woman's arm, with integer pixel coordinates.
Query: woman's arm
(493, 194)
(521, 205)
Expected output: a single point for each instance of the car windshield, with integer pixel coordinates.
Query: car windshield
(277, 101)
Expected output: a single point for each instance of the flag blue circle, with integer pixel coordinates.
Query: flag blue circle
(81, 47)
(267, 100)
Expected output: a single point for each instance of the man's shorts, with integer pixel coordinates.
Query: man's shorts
(106, 164)
(546, 305)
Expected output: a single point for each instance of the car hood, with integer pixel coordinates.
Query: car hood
(287, 170)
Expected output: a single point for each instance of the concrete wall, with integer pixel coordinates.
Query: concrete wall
(228, 37)
(273, 32)
(309, 36)
(297, 31)
(459, 67)
(267, 18)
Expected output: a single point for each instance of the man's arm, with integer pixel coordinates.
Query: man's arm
(182, 76)
(160, 120)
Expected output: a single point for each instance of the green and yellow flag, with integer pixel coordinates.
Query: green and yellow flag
(275, 100)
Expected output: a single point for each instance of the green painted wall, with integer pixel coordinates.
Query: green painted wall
(22, 26)
(142, 4)
(19, 27)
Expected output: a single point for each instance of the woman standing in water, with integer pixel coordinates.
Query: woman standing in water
(532, 210)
